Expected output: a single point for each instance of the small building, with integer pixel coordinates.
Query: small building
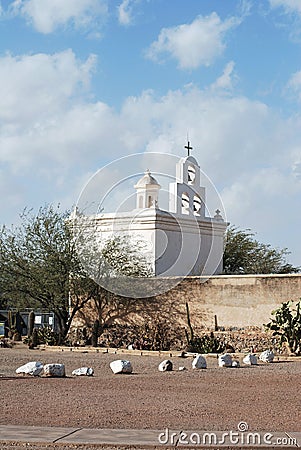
(42, 319)
(181, 241)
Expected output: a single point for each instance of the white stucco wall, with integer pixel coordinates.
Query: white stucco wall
(174, 245)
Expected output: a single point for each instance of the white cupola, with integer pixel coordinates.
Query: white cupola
(147, 191)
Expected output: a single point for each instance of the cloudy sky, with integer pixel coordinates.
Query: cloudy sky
(84, 82)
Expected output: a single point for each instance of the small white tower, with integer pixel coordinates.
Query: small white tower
(187, 197)
(147, 191)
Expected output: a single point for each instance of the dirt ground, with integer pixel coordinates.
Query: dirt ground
(266, 396)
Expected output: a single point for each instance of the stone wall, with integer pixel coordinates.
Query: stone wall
(237, 301)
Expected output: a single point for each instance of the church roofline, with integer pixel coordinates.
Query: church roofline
(159, 214)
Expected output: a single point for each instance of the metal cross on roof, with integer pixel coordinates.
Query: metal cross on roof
(188, 148)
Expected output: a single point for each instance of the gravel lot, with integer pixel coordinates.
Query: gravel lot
(266, 396)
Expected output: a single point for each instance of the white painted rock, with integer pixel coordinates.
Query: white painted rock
(31, 368)
(86, 371)
(235, 364)
(267, 356)
(121, 366)
(181, 368)
(165, 366)
(54, 370)
(199, 362)
(250, 360)
(225, 360)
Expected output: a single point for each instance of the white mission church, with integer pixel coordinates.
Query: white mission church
(180, 241)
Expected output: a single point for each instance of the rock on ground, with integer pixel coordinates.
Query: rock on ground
(54, 370)
(199, 362)
(121, 366)
(34, 368)
(250, 360)
(225, 360)
(83, 371)
(165, 366)
(267, 356)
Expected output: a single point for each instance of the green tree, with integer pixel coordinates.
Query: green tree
(119, 262)
(36, 260)
(118, 269)
(41, 267)
(125, 257)
(243, 254)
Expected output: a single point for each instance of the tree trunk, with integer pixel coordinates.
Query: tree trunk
(63, 325)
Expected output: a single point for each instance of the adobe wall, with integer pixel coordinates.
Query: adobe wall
(238, 301)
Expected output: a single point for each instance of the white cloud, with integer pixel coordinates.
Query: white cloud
(289, 6)
(52, 133)
(125, 12)
(48, 15)
(266, 201)
(14, 197)
(35, 90)
(296, 160)
(294, 85)
(43, 82)
(195, 44)
(297, 169)
(225, 81)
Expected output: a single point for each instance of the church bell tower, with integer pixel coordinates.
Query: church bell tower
(186, 196)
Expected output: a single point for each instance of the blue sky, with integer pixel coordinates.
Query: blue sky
(84, 82)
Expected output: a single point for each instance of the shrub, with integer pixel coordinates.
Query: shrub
(202, 344)
(207, 343)
(287, 325)
(156, 334)
(43, 335)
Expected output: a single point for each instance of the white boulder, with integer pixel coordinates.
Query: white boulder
(83, 371)
(121, 366)
(250, 359)
(225, 360)
(199, 362)
(54, 370)
(165, 366)
(267, 356)
(235, 364)
(31, 368)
